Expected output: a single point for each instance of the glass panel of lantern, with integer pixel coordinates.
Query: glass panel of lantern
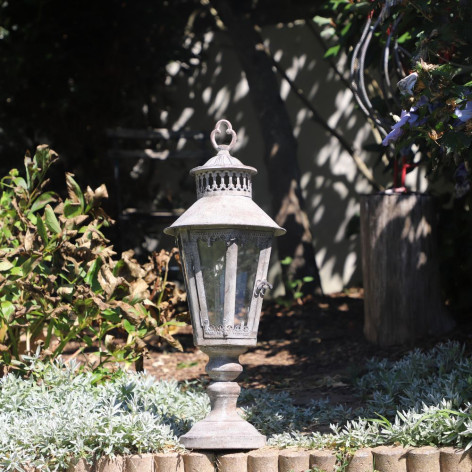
(223, 269)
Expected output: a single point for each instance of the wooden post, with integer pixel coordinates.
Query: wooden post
(400, 269)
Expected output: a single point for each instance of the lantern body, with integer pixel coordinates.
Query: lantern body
(225, 241)
(222, 271)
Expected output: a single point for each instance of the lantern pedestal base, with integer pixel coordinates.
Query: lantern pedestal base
(223, 428)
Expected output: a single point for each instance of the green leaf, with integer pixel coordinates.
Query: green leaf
(5, 265)
(92, 275)
(44, 157)
(111, 315)
(75, 193)
(51, 221)
(332, 51)
(404, 37)
(360, 7)
(308, 278)
(16, 271)
(287, 261)
(346, 29)
(7, 310)
(321, 20)
(42, 201)
(42, 230)
(336, 3)
(128, 327)
(72, 209)
(20, 182)
(298, 295)
(29, 265)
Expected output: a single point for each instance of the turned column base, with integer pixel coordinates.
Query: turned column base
(223, 428)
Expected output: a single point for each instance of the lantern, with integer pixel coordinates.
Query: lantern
(225, 241)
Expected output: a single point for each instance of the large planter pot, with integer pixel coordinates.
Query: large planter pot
(400, 269)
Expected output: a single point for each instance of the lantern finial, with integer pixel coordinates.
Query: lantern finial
(229, 130)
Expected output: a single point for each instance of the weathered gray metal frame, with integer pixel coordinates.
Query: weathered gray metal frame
(224, 211)
(204, 332)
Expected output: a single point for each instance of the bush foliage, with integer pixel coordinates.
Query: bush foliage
(60, 280)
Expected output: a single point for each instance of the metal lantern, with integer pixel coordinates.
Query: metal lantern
(225, 241)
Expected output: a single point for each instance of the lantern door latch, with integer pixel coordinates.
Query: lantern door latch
(261, 287)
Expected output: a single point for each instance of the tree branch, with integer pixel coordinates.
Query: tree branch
(363, 169)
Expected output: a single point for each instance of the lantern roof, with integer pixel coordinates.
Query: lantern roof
(224, 192)
(223, 160)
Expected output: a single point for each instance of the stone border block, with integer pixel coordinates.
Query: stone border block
(294, 461)
(110, 464)
(361, 461)
(423, 459)
(199, 462)
(232, 462)
(139, 463)
(267, 459)
(454, 460)
(390, 459)
(168, 462)
(79, 465)
(263, 460)
(324, 460)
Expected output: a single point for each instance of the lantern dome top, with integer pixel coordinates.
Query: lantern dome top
(224, 192)
(223, 160)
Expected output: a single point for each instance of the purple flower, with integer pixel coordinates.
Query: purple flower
(392, 136)
(466, 113)
(397, 131)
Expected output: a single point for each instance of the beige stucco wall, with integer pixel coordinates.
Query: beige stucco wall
(331, 183)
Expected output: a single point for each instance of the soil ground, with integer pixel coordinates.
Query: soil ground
(312, 350)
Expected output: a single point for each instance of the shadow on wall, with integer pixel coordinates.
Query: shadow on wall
(217, 89)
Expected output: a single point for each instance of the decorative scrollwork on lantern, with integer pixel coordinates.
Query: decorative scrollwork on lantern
(261, 287)
(226, 331)
(261, 238)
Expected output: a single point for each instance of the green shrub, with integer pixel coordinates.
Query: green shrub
(60, 280)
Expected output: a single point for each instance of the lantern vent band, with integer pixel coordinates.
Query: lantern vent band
(215, 182)
(223, 173)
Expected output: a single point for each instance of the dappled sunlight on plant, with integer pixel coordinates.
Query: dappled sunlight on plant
(61, 282)
(421, 399)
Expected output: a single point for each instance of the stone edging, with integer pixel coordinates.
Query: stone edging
(385, 459)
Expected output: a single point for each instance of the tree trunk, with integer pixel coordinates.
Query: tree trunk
(280, 148)
(400, 269)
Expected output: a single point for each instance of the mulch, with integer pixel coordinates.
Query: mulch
(312, 350)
